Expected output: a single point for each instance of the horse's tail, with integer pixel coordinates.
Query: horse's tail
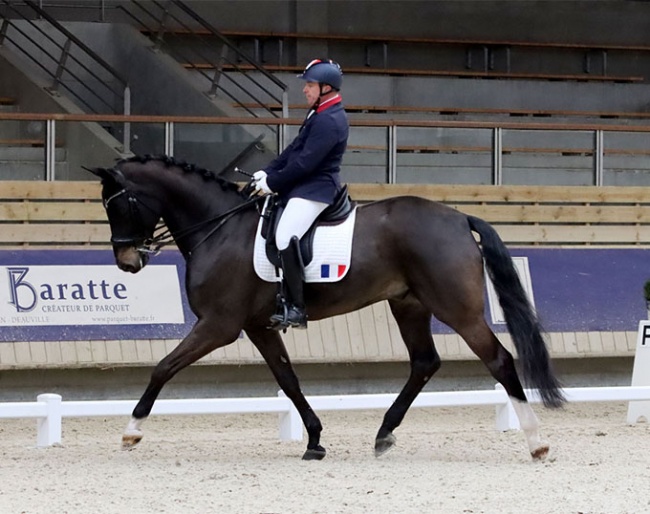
(520, 316)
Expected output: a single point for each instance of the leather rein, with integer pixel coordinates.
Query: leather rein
(152, 245)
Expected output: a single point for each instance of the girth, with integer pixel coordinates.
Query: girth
(335, 214)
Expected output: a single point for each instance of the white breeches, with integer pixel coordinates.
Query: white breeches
(298, 216)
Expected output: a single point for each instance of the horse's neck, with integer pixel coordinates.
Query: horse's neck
(189, 215)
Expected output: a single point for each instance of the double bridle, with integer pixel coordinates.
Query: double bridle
(152, 245)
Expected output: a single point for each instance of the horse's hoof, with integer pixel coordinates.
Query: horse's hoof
(384, 444)
(129, 441)
(317, 453)
(540, 453)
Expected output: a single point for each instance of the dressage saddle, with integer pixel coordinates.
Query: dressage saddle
(335, 214)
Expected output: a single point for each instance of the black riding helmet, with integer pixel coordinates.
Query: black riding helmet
(323, 71)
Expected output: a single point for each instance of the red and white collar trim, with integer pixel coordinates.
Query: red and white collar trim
(329, 103)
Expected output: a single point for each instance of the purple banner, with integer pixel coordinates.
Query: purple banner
(575, 290)
(584, 289)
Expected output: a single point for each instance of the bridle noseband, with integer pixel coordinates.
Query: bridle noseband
(146, 245)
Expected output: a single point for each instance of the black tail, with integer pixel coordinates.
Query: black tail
(520, 317)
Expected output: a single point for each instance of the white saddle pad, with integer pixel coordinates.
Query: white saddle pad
(332, 252)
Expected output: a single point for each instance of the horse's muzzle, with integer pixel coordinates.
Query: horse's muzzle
(130, 259)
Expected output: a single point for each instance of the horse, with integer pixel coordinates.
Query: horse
(418, 255)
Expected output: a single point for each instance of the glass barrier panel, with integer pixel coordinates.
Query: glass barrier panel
(548, 157)
(22, 150)
(437, 155)
(366, 158)
(222, 147)
(626, 159)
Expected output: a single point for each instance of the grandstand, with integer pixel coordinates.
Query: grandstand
(536, 120)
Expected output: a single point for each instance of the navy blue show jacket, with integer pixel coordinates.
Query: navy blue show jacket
(310, 166)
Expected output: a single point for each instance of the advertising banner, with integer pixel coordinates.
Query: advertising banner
(82, 295)
(68, 295)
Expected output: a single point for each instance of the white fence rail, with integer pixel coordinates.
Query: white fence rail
(50, 409)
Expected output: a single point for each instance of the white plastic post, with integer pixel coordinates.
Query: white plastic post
(506, 416)
(641, 373)
(49, 427)
(290, 422)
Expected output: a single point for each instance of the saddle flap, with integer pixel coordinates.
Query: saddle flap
(334, 214)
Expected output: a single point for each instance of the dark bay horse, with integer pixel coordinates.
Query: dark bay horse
(420, 256)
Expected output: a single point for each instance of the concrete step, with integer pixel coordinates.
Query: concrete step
(18, 170)
(8, 104)
(28, 153)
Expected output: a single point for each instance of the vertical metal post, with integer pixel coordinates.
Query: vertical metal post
(497, 156)
(61, 66)
(391, 172)
(126, 136)
(599, 155)
(283, 134)
(217, 72)
(50, 150)
(285, 104)
(169, 138)
(3, 31)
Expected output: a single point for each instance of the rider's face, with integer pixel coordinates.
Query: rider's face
(312, 91)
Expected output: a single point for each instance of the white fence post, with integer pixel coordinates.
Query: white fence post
(641, 373)
(290, 422)
(49, 428)
(506, 416)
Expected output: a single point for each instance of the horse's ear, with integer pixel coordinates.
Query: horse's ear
(102, 173)
(107, 174)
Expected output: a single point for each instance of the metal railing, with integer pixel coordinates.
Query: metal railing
(392, 130)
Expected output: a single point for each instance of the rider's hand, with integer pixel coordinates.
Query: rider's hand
(261, 185)
(258, 175)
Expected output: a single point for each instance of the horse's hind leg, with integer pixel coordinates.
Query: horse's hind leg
(414, 323)
(198, 343)
(270, 345)
(500, 363)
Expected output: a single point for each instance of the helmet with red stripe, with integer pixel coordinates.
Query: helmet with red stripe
(323, 71)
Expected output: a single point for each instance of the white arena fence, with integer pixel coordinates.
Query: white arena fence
(50, 409)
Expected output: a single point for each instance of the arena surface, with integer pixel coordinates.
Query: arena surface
(447, 460)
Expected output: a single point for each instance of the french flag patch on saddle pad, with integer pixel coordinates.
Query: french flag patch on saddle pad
(332, 252)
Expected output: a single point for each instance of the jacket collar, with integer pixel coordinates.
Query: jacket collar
(326, 104)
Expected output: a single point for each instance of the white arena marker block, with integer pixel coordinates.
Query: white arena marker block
(49, 427)
(641, 373)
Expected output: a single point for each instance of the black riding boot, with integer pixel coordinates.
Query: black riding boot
(291, 312)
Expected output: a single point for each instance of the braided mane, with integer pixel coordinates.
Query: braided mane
(168, 161)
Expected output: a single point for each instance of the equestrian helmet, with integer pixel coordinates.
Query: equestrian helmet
(323, 71)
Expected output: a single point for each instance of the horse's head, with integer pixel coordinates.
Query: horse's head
(131, 216)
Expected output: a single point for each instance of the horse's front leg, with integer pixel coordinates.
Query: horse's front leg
(199, 342)
(270, 345)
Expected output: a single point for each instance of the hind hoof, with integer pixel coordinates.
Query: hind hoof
(317, 453)
(384, 444)
(540, 453)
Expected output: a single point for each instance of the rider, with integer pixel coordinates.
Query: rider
(306, 178)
